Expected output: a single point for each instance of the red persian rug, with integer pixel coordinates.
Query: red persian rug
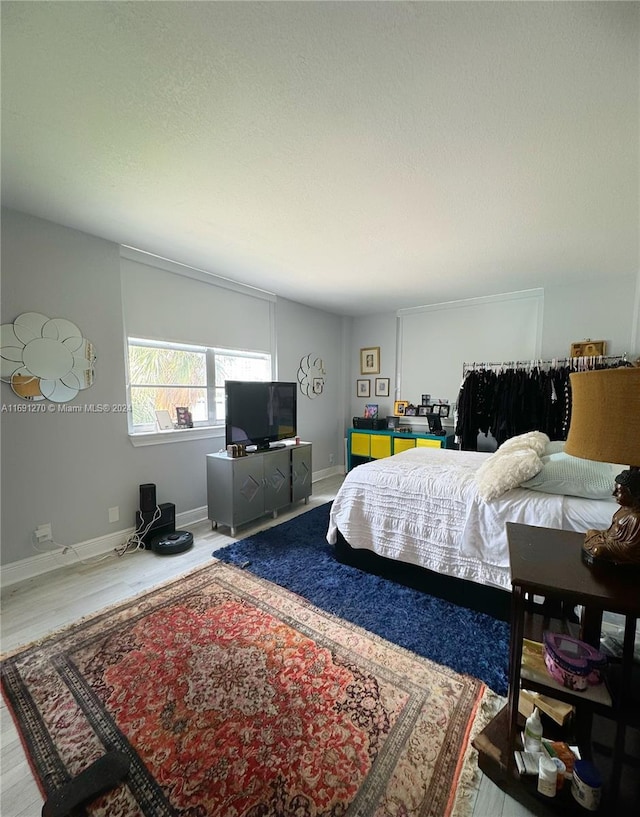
(232, 696)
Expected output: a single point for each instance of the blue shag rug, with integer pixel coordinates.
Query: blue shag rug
(297, 556)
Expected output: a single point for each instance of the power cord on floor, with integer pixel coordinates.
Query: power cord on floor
(62, 550)
(136, 540)
(134, 543)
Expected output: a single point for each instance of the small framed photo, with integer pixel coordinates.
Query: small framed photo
(423, 410)
(370, 360)
(371, 411)
(444, 411)
(589, 348)
(363, 388)
(399, 407)
(410, 411)
(184, 418)
(426, 399)
(382, 386)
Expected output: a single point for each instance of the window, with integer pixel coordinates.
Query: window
(163, 376)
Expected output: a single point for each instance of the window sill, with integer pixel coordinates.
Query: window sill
(176, 435)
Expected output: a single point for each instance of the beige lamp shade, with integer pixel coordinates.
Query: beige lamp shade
(605, 416)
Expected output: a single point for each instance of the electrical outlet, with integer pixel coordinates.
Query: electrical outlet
(114, 514)
(43, 533)
(332, 459)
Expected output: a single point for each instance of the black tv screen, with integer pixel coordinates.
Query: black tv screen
(259, 413)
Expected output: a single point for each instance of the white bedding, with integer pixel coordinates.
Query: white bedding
(422, 507)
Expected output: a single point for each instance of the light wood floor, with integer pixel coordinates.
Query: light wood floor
(35, 608)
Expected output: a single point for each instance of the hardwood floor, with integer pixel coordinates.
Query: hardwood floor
(35, 608)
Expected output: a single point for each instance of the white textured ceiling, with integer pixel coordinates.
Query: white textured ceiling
(356, 156)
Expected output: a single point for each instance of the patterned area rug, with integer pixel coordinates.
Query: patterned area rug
(232, 696)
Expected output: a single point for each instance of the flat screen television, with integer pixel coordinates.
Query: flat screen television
(260, 413)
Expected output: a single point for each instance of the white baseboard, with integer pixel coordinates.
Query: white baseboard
(327, 472)
(33, 566)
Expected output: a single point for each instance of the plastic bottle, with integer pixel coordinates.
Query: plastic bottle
(533, 732)
(547, 776)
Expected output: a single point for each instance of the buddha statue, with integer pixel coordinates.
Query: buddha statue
(620, 543)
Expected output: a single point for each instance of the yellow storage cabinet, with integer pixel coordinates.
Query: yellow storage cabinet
(403, 444)
(380, 446)
(424, 443)
(359, 444)
(365, 445)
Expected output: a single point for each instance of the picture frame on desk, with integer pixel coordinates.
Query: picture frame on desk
(399, 407)
(424, 410)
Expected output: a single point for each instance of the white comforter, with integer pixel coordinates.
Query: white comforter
(422, 507)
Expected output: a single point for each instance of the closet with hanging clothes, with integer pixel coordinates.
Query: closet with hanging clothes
(513, 397)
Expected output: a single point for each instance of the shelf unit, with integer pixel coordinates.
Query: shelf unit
(364, 445)
(547, 562)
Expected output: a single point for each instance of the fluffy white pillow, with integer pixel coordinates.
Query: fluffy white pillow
(505, 470)
(571, 476)
(537, 440)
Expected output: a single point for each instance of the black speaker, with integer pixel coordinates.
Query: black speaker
(164, 524)
(370, 423)
(147, 497)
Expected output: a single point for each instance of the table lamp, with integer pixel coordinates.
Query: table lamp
(605, 426)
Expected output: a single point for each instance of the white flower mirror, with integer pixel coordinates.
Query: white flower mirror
(45, 358)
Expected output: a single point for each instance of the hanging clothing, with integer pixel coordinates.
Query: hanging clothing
(515, 400)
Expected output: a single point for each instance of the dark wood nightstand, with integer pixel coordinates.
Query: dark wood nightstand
(547, 562)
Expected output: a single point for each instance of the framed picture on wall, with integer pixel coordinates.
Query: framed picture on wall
(363, 388)
(370, 360)
(382, 386)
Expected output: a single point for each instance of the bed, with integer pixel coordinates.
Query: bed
(423, 508)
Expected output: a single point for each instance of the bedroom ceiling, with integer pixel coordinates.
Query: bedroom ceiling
(358, 157)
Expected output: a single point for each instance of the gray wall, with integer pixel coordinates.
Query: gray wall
(605, 309)
(69, 469)
(303, 331)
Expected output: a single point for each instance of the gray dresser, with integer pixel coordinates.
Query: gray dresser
(242, 489)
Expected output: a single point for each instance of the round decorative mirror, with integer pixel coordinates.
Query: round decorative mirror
(311, 376)
(45, 358)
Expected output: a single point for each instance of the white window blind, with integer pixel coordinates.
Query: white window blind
(169, 302)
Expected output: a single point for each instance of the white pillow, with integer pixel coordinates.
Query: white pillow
(572, 476)
(505, 470)
(537, 440)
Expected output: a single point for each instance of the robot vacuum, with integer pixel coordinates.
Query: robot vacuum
(176, 542)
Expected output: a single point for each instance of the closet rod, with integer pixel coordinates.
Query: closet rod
(588, 361)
